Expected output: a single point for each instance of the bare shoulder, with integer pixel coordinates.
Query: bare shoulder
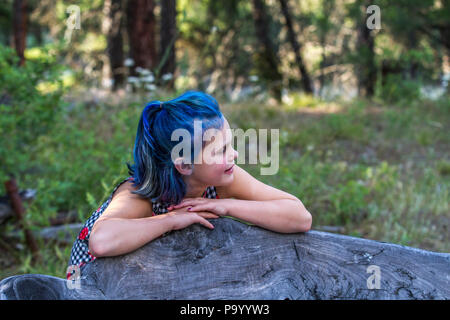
(125, 204)
(247, 187)
(125, 189)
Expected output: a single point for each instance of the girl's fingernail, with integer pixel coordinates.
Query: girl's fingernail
(189, 209)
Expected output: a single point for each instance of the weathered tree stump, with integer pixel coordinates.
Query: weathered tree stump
(238, 261)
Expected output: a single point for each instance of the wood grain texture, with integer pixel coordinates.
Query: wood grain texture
(237, 261)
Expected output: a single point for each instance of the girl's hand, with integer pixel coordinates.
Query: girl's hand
(182, 218)
(215, 206)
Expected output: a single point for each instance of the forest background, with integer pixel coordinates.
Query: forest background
(359, 90)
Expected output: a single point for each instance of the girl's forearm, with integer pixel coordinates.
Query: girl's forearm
(284, 215)
(116, 236)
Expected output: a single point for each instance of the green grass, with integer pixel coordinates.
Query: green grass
(379, 171)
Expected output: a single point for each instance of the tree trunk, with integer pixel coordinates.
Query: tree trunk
(20, 28)
(115, 42)
(267, 58)
(236, 261)
(323, 63)
(306, 79)
(412, 44)
(141, 33)
(168, 37)
(324, 27)
(366, 69)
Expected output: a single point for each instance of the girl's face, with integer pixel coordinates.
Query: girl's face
(217, 156)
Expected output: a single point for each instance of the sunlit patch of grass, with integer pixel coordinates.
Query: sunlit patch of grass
(307, 103)
(49, 86)
(93, 42)
(35, 53)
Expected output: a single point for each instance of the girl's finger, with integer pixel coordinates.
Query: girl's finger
(207, 215)
(172, 207)
(181, 205)
(205, 222)
(187, 200)
(200, 207)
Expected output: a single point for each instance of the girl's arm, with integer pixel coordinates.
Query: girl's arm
(128, 223)
(263, 205)
(255, 202)
(116, 236)
(283, 215)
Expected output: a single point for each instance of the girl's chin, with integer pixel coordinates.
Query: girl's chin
(226, 179)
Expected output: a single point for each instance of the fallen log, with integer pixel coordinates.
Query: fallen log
(239, 261)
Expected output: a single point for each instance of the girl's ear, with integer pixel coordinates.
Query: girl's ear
(183, 168)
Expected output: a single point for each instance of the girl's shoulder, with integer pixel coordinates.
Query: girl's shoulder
(124, 186)
(124, 203)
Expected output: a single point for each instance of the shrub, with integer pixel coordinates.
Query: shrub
(26, 113)
(398, 90)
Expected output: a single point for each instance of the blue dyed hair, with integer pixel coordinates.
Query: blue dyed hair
(154, 173)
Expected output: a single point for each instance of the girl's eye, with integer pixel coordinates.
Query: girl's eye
(223, 150)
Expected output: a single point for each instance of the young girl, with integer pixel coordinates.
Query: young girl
(164, 194)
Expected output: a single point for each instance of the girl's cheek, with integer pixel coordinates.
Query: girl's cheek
(221, 167)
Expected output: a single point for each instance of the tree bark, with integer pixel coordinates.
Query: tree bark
(247, 262)
(305, 77)
(114, 18)
(168, 39)
(268, 60)
(141, 33)
(20, 28)
(365, 43)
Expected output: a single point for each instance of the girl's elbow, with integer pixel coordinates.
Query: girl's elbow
(306, 222)
(98, 245)
(96, 249)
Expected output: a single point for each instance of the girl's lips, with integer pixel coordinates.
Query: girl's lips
(230, 170)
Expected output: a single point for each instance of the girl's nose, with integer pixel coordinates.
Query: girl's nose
(234, 155)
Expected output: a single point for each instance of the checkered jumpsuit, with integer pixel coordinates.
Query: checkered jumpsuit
(80, 254)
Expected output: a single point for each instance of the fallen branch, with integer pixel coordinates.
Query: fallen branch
(6, 211)
(65, 233)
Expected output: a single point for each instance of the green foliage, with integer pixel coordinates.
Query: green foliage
(26, 112)
(392, 197)
(443, 167)
(53, 262)
(74, 152)
(399, 90)
(82, 158)
(349, 201)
